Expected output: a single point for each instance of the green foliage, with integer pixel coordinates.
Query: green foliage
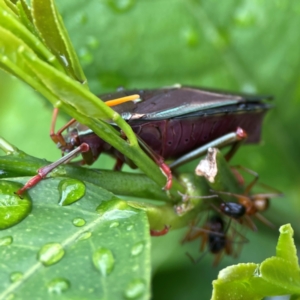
(92, 248)
(246, 46)
(277, 275)
(21, 56)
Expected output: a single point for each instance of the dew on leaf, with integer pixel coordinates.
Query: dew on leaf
(92, 42)
(58, 286)
(135, 289)
(84, 236)
(50, 254)
(13, 209)
(191, 37)
(137, 249)
(16, 276)
(129, 227)
(114, 224)
(120, 5)
(64, 60)
(115, 209)
(78, 222)
(6, 240)
(104, 261)
(71, 190)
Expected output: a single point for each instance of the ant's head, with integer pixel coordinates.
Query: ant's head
(233, 209)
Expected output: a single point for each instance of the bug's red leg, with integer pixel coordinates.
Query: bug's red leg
(233, 137)
(160, 232)
(241, 136)
(165, 169)
(42, 172)
(57, 137)
(118, 165)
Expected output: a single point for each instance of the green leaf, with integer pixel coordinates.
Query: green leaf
(10, 22)
(72, 97)
(286, 248)
(18, 163)
(277, 275)
(98, 247)
(50, 26)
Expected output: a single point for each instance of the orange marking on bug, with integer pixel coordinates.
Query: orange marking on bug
(121, 100)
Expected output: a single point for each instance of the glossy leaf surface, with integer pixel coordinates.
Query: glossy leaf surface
(54, 256)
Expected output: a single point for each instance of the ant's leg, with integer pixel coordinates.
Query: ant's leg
(218, 258)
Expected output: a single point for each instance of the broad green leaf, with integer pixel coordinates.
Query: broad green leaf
(281, 273)
(79, 251)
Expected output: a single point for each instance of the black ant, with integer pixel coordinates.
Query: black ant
(248, 205)
(214, 234)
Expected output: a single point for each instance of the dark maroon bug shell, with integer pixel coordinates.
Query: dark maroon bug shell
(175, 121)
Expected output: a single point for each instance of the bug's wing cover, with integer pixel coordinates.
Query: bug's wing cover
(169, 103)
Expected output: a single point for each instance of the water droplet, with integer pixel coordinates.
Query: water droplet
(104, 261)
(135, 289)
(114, 224)
(137, 249)
(16, 276)
(50, 254)
(86, 57)
(115, 209)
(58, 286)
(6, 240)
(120, 5)
(78, 222)
(191, 37)
(64, 60)
(71, 190)
(13, 209)
(92, 42)
(84, 236)
(129, 227)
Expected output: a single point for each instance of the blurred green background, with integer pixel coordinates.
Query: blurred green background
(243, 46)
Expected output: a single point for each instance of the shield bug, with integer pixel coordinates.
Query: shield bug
(169, 123)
